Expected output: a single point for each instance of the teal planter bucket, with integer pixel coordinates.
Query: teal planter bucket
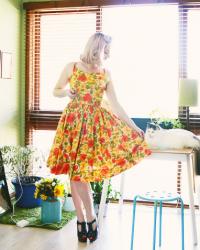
(51, 211)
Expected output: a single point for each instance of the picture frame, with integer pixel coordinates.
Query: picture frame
(5, 65)
(5, 199)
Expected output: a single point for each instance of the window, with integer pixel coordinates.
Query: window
(153, 45)
(193, 51)
(62, 40)
(144, 61)
(59, 37)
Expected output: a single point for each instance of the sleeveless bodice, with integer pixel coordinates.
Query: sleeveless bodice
(89, 87)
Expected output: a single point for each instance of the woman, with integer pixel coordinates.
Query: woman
(91, 143)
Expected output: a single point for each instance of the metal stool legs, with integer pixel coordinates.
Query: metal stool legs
(156, 202)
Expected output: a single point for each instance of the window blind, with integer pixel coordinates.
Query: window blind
(68, 29)
(72, 26)
(189, 55)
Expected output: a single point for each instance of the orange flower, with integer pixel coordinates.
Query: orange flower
(100, 158)
(91, 161)
(121, 147)
(87, 97)
(134, 135)
(73, 155)
(76, 178)
(104, 170)
(84, 130)
(94, 129)
(135, 149)
(82, 78)
(102, 140)
(91, 109)
(109, 132)
(83, 157)
(65, 168)
(56, 151)
(66, 131)
(90, 143)
(70, 118)
(66, 156)
(75, 167)
(124, 138)
(112, 122)
(55, 169)
(96, 119)
(107, 153)
(147, 151)
(121, 162)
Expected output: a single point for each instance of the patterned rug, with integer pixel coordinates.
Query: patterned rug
(33, 216)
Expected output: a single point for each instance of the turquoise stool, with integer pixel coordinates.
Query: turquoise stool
(158, 198)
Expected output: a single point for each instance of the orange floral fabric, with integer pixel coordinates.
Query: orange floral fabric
(91, 143)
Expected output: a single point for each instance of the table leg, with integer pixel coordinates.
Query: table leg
(121, 199)
(102, 202)
(191, 200)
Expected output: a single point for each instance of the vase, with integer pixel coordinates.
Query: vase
(51, 211)
(68, 204)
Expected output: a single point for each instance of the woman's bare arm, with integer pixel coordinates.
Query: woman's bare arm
(117, 108)
(60, 87)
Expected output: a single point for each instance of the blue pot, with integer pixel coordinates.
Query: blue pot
(51, 211)
(24, 191)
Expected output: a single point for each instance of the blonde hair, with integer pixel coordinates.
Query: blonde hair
(93, 48)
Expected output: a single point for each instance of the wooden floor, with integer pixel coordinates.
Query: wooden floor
(114, 236)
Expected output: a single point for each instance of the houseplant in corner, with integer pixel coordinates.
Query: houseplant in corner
(49, 190)
(22, 165)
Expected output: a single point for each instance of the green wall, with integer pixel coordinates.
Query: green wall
(10, 106)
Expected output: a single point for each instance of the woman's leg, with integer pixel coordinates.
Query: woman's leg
(77, 203)
(81, 191)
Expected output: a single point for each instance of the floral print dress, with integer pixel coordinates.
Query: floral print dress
(91, 143)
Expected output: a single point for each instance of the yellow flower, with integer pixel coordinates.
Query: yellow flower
(36, 193)
(47, 180)
(59, 191)
(43, 197)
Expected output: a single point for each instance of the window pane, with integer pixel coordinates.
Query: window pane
(144, 57)
(43, 139)
(62, 41)
(193, 40)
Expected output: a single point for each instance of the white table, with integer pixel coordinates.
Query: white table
(183, 155)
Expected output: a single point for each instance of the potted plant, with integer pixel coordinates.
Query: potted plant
(97, 188)
(49, 190)
(165, 122)
(22, 165)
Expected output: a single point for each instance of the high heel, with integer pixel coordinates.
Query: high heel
(82, 234)
(92, 233)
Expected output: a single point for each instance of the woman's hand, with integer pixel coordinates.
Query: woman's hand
(70, 93)
(140, 132)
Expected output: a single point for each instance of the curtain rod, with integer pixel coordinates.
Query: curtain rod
(86, 3)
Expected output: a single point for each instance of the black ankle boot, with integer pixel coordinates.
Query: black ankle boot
(82, 234)
(92, 233)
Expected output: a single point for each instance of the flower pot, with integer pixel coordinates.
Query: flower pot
(24, 191)
(51, 211)
(68, 204)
